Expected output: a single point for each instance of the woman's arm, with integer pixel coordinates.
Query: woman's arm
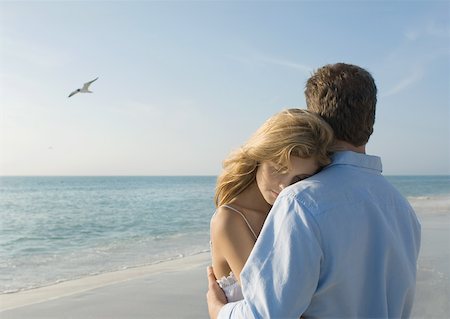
(232, 242)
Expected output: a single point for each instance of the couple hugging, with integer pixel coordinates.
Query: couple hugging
(340, 242)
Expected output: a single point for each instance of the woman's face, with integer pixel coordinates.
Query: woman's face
(271, 181)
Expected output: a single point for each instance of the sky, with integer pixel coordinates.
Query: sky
(183, 83)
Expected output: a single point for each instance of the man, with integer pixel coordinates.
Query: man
(341, 244)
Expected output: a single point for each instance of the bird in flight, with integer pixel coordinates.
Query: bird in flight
(84, 89)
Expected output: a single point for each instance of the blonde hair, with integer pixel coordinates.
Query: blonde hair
(292, 132)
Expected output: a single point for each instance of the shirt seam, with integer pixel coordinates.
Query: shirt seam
(307, 210)
(270, 254)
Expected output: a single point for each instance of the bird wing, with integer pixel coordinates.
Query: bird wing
(74, 92)
(86, 85)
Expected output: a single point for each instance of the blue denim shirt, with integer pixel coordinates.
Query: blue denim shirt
(341, 244)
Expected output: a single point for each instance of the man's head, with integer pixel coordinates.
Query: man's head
(345, 96)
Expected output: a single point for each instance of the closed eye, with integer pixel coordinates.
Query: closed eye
(278, 169)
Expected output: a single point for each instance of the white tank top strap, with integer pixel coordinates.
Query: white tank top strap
(243, 217)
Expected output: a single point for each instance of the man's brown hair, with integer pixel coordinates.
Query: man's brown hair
(345, 95)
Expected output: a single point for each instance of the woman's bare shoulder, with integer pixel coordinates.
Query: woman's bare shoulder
(224, 215)
(226, 221)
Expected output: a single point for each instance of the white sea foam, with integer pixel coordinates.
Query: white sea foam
(430, 204)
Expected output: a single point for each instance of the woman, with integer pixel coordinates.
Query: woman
(289, 147)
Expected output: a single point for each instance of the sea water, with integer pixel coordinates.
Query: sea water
(54, 229)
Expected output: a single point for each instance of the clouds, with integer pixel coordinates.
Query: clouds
(422, 46)
(261, 59)
(432, 29)
(286, 63)
(405, 82)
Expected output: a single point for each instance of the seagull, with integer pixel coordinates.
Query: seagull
(84, 89)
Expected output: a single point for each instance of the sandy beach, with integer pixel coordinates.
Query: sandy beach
(171, 289)
(433, 277)
(176, 288)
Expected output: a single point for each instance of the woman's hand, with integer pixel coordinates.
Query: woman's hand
(215, 296)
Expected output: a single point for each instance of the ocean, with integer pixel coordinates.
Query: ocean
(54, 229)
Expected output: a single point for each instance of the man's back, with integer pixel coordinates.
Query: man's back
(344, 244)
(369, 237)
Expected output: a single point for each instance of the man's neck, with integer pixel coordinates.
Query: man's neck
(345, 146)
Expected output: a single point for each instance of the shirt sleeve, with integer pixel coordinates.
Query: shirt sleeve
(282, 272)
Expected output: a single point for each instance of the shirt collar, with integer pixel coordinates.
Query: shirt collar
(357, 159)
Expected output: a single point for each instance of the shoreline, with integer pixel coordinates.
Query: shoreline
(176, 288)
(32, 296)
(104, 272)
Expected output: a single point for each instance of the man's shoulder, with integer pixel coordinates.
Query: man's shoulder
(324, 181)
(336, 186)
(313, 192)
